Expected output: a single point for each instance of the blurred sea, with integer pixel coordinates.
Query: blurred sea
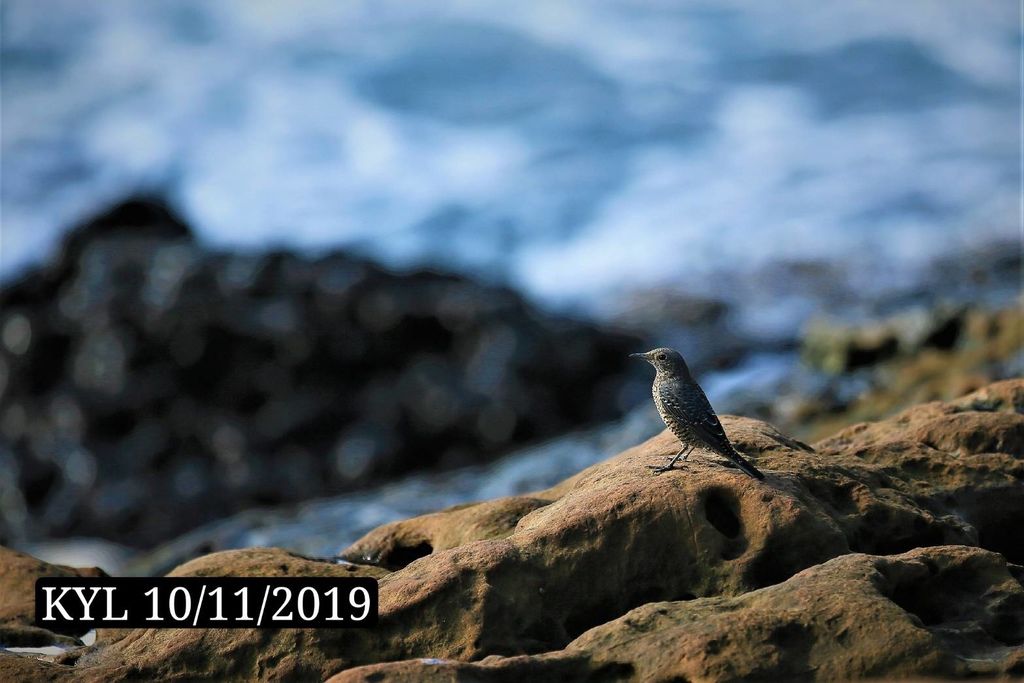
(572, 150)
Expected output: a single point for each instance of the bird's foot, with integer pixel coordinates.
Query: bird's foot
(658, 469)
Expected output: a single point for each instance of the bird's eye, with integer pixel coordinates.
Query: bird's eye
(661, 356)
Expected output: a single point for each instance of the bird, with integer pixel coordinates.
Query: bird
(687, 412)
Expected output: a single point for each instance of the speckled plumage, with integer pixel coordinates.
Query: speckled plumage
(687, 412)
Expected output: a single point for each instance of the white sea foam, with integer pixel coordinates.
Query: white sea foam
(572, 149)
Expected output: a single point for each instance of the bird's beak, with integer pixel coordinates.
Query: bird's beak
(638, 355)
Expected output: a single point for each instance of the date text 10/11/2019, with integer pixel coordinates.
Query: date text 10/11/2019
(81, 603)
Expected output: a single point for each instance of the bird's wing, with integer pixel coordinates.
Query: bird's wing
(689, 405)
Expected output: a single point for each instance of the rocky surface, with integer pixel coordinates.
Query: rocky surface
(139, 369)
(18, 574)
(951, 611)
(891, 549)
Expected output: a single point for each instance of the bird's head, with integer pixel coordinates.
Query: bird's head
(665, 360)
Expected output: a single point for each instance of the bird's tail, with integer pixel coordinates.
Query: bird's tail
(744, 465)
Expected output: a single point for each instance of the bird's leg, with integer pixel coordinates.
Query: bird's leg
(658, 469)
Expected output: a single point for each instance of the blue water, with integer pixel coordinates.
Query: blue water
(574, 150)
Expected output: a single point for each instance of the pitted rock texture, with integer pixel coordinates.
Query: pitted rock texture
(874, 554)
(948, 611)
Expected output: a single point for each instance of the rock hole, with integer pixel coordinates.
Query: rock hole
(1001, 528)
(649, 594)
(544, 634)
(883, 533)
(955, 595)
(720, 513)
(921, 604)
(403, 555)
(71, 658)
(788, 636)
(1008, 629)
(590, 616)
(771, 567)
(614, 671)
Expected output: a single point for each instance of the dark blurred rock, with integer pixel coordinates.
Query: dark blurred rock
(149, 384)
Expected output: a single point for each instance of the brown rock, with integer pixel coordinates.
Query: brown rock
(963, 459)
(396, 545)
(195, 653)
(253, 562)
(22, 668)
(270, 562)
(218, 653)
(531, 574)
(18, 574)
(948, 611)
